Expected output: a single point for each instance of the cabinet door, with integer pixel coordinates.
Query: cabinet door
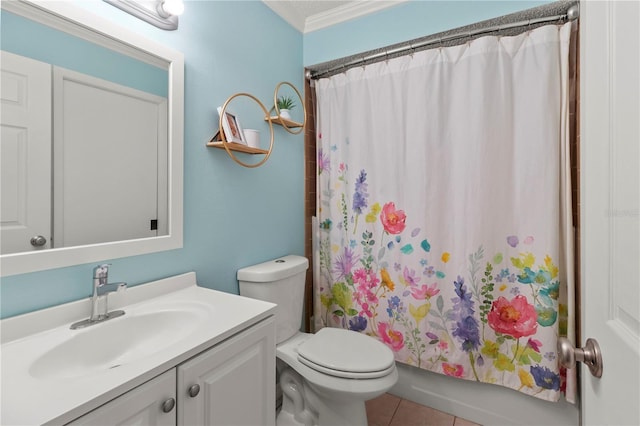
(236, 381)
(144, 405)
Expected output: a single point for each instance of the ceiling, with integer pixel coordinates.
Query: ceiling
(311, 15)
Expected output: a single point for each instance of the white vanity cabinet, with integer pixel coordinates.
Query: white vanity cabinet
(233, 383)
(204, 356)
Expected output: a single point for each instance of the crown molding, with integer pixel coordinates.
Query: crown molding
(287, 13)
(333, 16)
(347, 12)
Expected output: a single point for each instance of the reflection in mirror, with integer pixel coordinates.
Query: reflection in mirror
(92, 139)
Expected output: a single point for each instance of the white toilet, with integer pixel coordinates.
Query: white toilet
(325, 377)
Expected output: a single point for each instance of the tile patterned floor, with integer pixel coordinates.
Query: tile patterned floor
(390, 410)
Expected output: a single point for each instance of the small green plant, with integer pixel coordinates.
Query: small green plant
(286, 102)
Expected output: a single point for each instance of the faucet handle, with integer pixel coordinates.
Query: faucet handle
(101, 271)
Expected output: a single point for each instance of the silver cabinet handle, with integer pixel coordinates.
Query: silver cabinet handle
(168, 405)
(38, 241)
(194, 391)
(590, 355)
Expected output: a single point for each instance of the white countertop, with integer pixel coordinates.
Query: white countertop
(27, 399)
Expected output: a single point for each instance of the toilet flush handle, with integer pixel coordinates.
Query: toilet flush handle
(194, 391)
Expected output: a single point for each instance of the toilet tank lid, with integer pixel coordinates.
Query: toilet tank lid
(273, 270)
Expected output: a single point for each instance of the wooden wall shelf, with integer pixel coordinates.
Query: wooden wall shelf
(220, 141)
(237, 147)
(284, 122)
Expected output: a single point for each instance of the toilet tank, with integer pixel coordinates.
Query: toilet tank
(280, 281)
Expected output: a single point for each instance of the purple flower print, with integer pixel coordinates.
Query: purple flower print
(513, 241)
(466, 326)
(344, 264)
(429, 271)
(431, 335)
(360, 195)
(323, 162)
(358, 323)
(410, 277)
(545, 378)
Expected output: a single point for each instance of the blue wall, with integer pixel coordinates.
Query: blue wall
(233, 216)
(33, 40)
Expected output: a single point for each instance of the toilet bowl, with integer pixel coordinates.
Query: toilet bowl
(325, 377)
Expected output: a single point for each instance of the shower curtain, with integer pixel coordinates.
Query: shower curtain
(444, 208)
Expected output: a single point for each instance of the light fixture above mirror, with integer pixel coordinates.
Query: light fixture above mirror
(160, 13)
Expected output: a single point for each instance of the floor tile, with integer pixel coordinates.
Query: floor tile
(411, 414)
(390, 410)
(463, 422)
(381, 409)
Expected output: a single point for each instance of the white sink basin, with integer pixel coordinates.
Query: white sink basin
(117, 341)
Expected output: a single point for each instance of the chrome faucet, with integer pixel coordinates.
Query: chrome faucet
(101, 290)
(99, 300)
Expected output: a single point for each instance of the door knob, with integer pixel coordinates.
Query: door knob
(590, 354)
(38, 241)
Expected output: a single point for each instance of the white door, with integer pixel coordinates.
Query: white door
(25, 153)
(609, 139)
(101, 195)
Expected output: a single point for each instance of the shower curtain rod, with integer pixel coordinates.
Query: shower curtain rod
(571, 13)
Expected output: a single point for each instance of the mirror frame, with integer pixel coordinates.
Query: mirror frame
(74, 19)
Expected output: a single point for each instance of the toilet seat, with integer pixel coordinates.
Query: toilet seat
(347, 354)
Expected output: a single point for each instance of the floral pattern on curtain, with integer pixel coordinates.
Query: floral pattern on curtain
(444, 217)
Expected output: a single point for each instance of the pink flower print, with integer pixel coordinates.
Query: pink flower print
(392, 219)
(453, 370)
(366, 310)
(443, 345)
(391, 337)
(365, 282)
(534, 344)
(515, 318)
(424, 292)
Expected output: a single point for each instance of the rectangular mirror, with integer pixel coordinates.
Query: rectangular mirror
(92, 139)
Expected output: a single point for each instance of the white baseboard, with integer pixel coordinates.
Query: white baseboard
(481, 403)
